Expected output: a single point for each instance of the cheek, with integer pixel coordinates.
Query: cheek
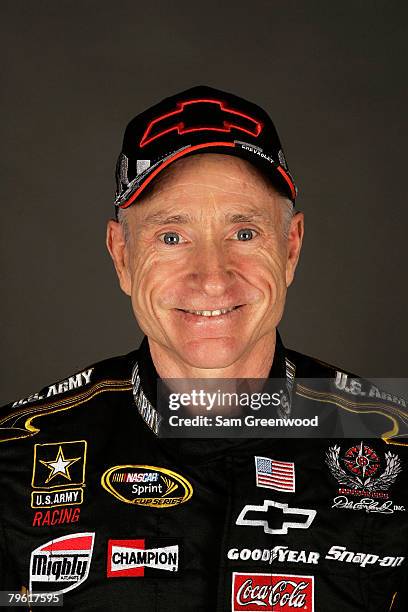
(160, 281)
(142, 267)
(152, 277)
(268, 270)
(271, 281)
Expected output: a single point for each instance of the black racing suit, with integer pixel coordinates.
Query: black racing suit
(96, 506)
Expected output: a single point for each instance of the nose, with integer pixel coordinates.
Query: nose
(211, 269)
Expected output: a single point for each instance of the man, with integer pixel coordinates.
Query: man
(102, 509)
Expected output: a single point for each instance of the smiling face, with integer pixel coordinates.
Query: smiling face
(206, 262)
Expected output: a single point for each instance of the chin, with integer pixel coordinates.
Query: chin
(212, 353)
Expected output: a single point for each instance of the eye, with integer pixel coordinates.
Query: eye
(170, 238)
(245, 234)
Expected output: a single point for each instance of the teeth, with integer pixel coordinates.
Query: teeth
(211, 313)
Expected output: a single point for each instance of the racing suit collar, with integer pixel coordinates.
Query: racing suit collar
(145, 376)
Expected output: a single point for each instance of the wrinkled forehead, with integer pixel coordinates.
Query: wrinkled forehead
(220, 184)
(215, 170)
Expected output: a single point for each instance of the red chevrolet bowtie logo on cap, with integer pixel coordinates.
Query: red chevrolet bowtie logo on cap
(188, 117)
(199, 120)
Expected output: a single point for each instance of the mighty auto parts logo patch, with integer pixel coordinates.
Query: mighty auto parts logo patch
(62, 564)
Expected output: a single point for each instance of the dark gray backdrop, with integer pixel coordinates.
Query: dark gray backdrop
(332, 75)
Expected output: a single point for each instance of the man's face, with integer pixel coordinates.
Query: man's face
(209, 238)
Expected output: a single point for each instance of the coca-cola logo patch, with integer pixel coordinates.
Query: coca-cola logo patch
(272, 592)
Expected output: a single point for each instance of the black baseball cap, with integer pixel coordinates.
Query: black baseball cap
(198, 120)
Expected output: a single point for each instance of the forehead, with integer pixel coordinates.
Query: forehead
(222, 183)
(212, 169)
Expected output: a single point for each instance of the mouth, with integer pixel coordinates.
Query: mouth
(211, 313)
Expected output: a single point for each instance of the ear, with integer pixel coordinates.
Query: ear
(118, 249)
(294, 245)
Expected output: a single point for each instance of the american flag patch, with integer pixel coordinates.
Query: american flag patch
(277, 475)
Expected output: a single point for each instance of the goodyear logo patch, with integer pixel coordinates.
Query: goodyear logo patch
(147, 485)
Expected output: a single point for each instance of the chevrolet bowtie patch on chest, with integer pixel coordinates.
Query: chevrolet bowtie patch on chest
(283, 517)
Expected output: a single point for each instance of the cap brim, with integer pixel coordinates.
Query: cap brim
(278, 175)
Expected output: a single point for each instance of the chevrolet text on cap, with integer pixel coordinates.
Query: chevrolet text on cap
(198, 120)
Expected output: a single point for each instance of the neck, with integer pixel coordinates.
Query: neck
(256, 362)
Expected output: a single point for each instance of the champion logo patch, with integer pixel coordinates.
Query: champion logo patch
(144, 557)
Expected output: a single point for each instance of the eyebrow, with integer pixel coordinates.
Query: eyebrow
(159, 218)
(248, 218)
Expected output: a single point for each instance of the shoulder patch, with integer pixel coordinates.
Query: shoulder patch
(16, 419)
(384, 414)
(68, 384)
